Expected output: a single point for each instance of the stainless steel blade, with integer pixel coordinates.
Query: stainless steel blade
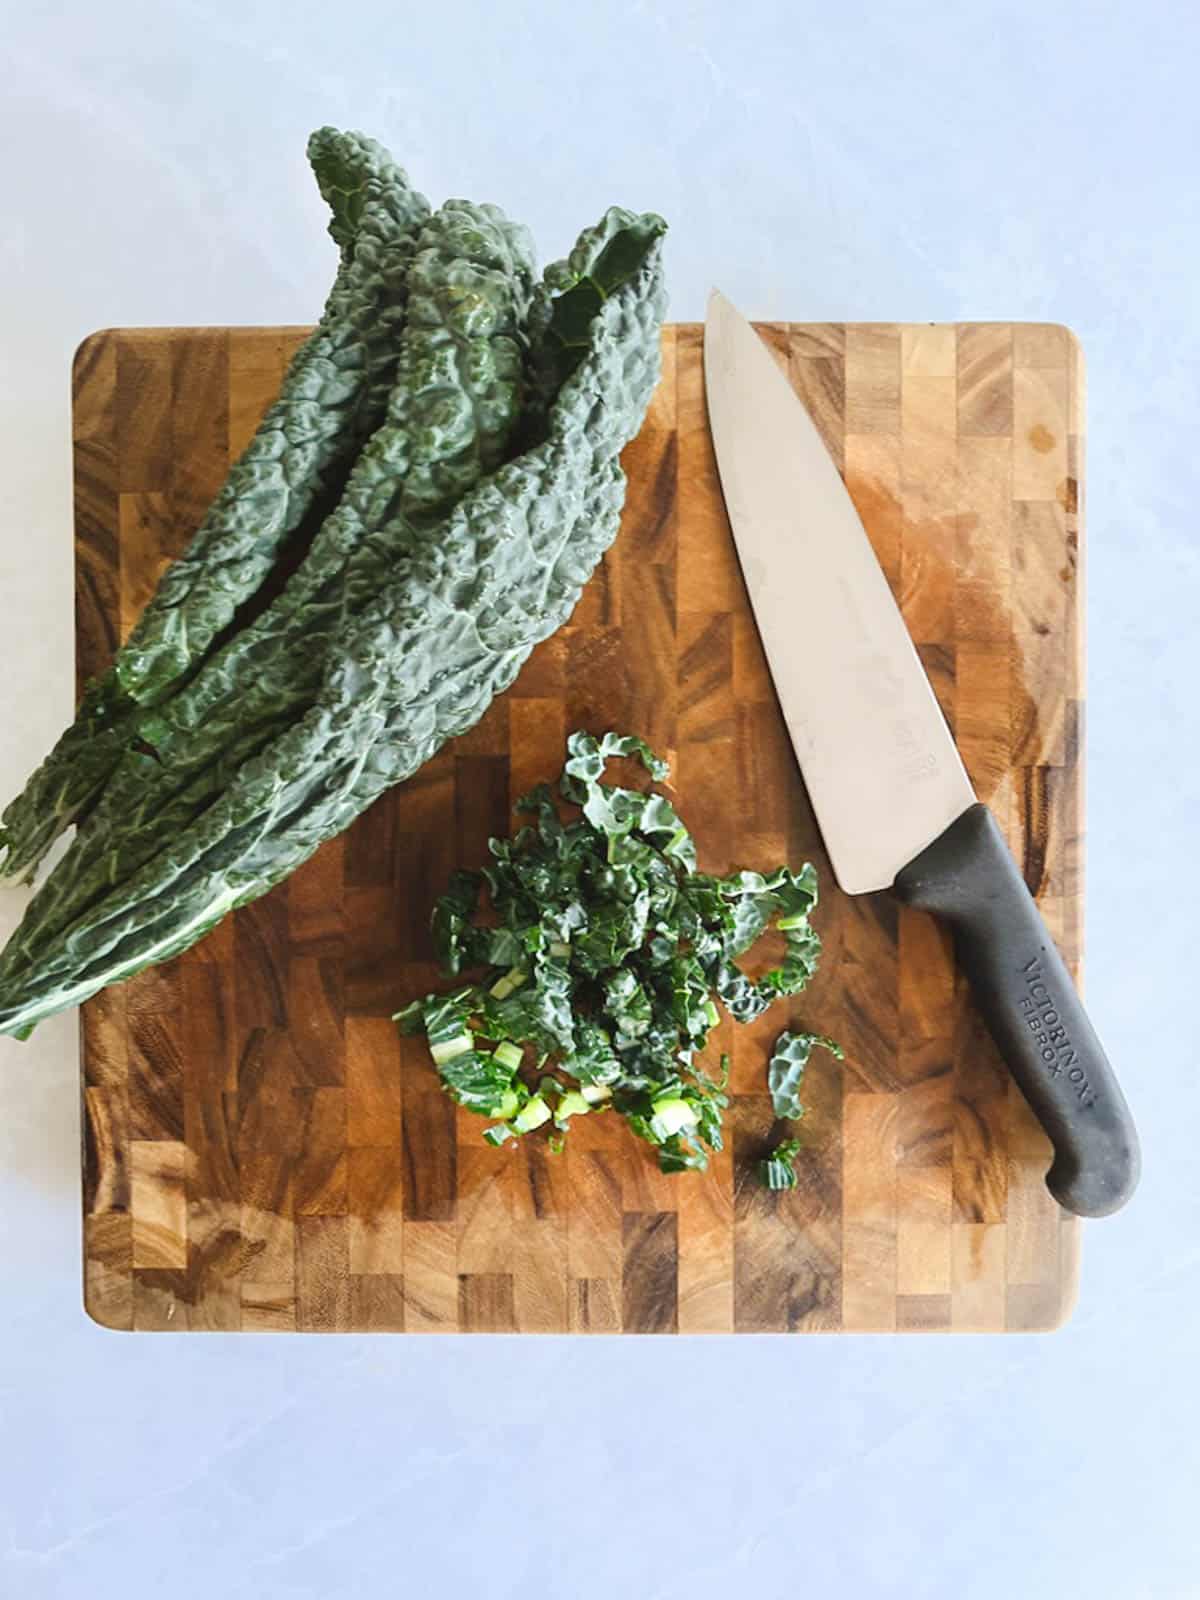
(881, 768)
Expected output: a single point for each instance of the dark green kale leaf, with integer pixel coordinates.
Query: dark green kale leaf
(438, 639)
(332, 397)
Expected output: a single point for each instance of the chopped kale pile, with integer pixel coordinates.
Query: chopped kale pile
(604, 953)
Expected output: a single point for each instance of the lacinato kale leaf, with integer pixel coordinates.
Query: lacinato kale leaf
(606, 951)
(453, 406)
(333, 396)
(439, 636)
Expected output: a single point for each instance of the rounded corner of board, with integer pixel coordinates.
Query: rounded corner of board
(103, 1316)
(88, 349)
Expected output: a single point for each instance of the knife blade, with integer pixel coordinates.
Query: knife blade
(893, 801)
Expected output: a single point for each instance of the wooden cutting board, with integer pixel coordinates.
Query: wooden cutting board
(263, 1152)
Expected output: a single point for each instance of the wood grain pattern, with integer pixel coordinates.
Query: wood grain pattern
(263, 1152)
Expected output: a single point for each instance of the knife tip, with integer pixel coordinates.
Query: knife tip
(718, 309)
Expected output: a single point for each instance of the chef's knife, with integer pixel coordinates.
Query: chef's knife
(892, 798)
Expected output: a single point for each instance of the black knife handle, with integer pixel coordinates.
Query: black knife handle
(1024, 992)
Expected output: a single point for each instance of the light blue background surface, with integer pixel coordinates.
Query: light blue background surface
(904, 160)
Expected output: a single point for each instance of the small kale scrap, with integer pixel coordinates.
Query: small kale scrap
(604, 953)
(786, 1069)
(778, 1170)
